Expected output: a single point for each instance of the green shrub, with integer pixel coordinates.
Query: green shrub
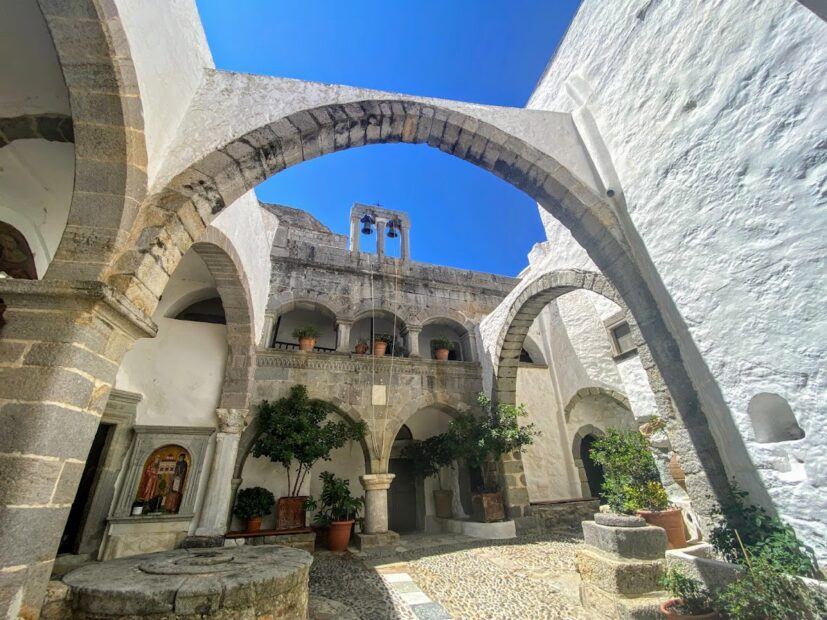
(764, 537)
(442, 343)
(631, 478)
(764, 592)
(253, 502)
(335, 501)
(695, 599)
(428, 457)
(308, 331)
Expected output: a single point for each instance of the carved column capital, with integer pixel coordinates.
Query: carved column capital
(232, 420)
(376, 482)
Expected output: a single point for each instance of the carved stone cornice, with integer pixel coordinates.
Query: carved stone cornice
(232, 420)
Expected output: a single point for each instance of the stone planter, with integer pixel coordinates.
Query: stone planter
(254, 524)
(671, 520)
(441, 354)
(306, 344)
(290, 512)
(487, 507)
(338, 535)
(361, 348)
(444, 504)
(667, 609)
(379, 348)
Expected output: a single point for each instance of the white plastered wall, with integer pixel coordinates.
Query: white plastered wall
(715, 126)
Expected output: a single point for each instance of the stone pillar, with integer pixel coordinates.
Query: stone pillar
(355, 233)
(468, 342)
(406, 244)
(60, 349)
(515, 490)
(213, 521)
(267, 330)
(376, 531)
(380, 236)
(343, 336)
(412, 340)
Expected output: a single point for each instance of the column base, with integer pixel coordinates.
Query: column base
(380, 539)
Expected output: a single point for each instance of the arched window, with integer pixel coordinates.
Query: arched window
(163, 480)
(206, 311)
(772, 419)
(16, 258)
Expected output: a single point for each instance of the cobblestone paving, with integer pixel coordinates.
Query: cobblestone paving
(529, 577)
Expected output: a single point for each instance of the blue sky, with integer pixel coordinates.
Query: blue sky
(482, 51)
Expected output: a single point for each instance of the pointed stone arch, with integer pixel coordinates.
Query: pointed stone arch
(594, 391)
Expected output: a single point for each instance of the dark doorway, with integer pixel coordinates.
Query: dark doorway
(402, 497)
(594, 472)
(70, 540)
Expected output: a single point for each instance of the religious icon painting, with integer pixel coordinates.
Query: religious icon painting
(161, 488)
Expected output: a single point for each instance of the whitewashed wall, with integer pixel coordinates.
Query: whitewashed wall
(714, 114)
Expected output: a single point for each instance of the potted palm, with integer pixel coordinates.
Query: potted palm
(380, 344)
(632, 484)
(252, 504)
(442, 348)
(428, 457)
(481, 441)
(338, 510)
(296, 433)
(306, 336)
(361, 346)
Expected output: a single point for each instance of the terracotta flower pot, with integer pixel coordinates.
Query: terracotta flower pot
(290, 512)
(441, 354)
(487, 507)
(306, 344)
(254, 524)
(379, 348)
(361, 348)
(667, 609)
(338, 535)
(444, 504)
(671, 520)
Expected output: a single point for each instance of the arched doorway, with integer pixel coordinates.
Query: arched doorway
(402, 495)
(594, 471)
(16, 258)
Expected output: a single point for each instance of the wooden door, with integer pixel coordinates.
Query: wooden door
(402, 497)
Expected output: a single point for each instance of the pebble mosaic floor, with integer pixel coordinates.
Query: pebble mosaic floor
(442, 577)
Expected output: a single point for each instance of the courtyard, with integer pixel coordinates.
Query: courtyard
(450, 576)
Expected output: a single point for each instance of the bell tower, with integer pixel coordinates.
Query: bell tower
(367, 219)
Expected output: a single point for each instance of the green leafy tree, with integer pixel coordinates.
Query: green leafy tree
(429, 456)
(336, 503)
(296, 434)
(631, 478)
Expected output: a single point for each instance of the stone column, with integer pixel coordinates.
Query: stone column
(60, 349)
(406, 244)
(512, 476)
(412, 340)
(380, 236)
(376, 501)
(355, 232)
(469, 347)
(267, 331)
(343, 336)
(213, 521)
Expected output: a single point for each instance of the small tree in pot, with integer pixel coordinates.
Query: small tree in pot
(442, 348)
(338, 510)
(428, 458)
(306, 336)
(295, 434)
(632, 483)
(252, 504)
(481, 441)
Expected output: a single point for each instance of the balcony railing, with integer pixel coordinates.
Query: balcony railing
(292, 346)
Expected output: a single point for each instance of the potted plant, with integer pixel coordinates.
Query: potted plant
(481, 441)
(306, 336)
(252, 504)
(338, 510)
(380, 344)
(428, 457)
(632, 483)
(296, 433)
(442, 348)
(361, 346)
(689, 597)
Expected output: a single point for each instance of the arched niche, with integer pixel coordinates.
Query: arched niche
(379, 322)
(209, 310)
(298, 314)
(773, 419)
(444, 327)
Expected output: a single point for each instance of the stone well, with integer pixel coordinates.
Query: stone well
(233, 583)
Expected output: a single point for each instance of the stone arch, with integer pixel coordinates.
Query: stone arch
(300, 303)
(579, 466)
(226, 268)
(108, 127)
(463, 327)
(205, 187)
(450, 316)
(367, 310)
(586, 392)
